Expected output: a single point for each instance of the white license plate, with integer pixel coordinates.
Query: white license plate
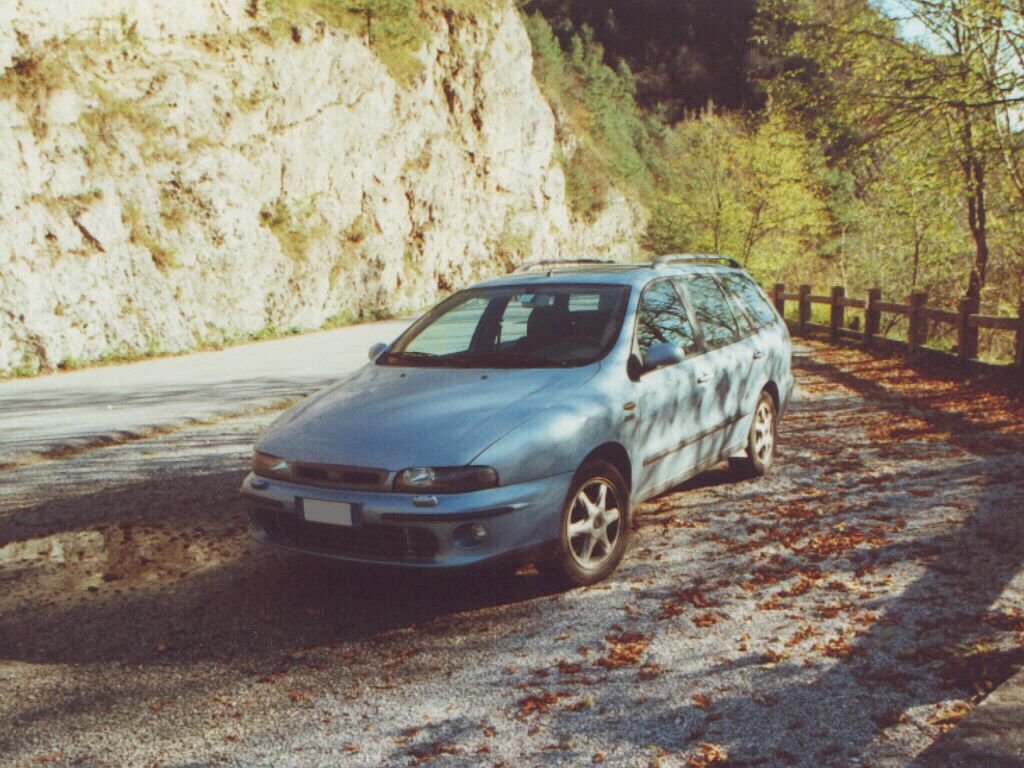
(330, 512)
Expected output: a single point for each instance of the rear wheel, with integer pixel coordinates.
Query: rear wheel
(594, 527)
(762, 438)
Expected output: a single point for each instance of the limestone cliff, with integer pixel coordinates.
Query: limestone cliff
(179, 171)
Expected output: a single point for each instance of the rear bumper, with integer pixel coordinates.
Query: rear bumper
(415, 531)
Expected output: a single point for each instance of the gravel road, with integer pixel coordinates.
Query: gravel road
(52, 414)
(843, 611)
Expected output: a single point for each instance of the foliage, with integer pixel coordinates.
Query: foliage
(395, 29)
(610, 138)
(908, 105)
(684, 53)
(751, 192)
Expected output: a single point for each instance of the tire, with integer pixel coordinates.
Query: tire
(590, 545)
(762, 438)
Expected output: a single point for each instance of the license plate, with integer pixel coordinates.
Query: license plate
(329, 512)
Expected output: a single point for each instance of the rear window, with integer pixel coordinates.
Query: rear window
(750, 298)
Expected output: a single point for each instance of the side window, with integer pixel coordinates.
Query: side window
(662, 318)
(746, 290)
(712, 311)
(742, 318)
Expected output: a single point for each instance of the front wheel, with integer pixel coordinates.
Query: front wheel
(762, 437)
(594, 527)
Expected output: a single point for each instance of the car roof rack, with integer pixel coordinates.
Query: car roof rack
(555, 263)
(695, 258)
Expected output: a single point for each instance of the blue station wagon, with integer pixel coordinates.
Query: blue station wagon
(522, 419)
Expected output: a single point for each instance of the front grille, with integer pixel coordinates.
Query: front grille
(375, 542)
(353, 478)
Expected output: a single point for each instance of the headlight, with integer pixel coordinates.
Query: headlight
(445, 479)
(265, 465)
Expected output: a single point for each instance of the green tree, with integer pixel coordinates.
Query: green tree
(876, 81)
(750, 193)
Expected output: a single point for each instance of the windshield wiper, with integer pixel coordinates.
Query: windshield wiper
(428, 359)
(507, 358)
(413, 358)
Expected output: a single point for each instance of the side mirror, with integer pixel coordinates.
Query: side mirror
(634, 368)
(660, 355)
(376, 350)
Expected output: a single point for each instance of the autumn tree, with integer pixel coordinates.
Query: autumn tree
(936, 68)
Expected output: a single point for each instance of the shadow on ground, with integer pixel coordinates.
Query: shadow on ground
(159, 576)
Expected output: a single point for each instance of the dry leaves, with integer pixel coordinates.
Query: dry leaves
(539, 702)
(710, 754)
(625, 650)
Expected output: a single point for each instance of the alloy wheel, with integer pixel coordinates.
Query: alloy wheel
(593, 524)
(764, 432)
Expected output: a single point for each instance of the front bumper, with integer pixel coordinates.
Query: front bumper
(411, 530)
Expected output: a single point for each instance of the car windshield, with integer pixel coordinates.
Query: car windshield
(516, 326)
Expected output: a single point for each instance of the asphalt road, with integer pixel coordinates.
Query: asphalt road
(842, 612)
(48, 413)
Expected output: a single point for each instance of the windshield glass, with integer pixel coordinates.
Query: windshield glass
(515, 326)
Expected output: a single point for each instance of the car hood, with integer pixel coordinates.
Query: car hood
(390, 417)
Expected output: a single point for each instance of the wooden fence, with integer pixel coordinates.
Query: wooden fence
(965, 319)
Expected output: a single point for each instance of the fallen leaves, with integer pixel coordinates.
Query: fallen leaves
(569, 668)
(649, 671)
(701, 701)
(539, 702)
(625, 650)
(949, 715)
(707, 619)
(426, 753)
(708, 754)
(674, 605)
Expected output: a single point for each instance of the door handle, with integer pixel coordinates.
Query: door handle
(629, 406)
(703, 377)
(758, 354)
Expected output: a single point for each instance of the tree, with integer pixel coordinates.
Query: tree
(954, 76)
(749, 192)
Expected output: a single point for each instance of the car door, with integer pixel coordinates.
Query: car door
(668, 400)
(754, 316)
(723, 368)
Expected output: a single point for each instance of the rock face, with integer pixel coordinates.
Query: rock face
(177, 172)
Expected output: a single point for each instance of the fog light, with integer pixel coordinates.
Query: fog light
(469, 535)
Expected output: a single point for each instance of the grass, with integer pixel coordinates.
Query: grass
(103, 123)
(395, 30)
(164, 257)
(122, 354)
(512, 244)
(293, 226)
(172, 213)
(30, 78)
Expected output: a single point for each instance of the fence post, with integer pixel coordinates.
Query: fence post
(780, 298)
(1018, 357)
(838, 311)
(917, 333)
(805, 308)
(967, 337)
(872, 317)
